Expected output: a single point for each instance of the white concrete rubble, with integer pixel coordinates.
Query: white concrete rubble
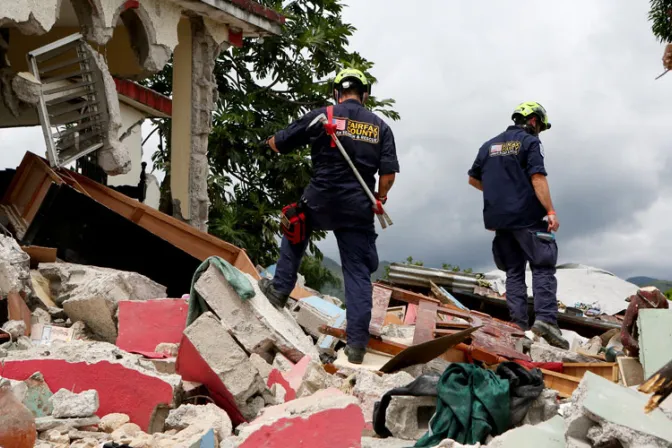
(169, 349)
(544, 408)
(370, 387)
(27, 88)
(71, 405)
(316, 378)
(209, 414)
(47, 423)
(256, 324)
(408, 417)
(15, 328)
(262, 366)
(389, 442)
(14, 268)
(548, 353)
(112, 422)
(91, 294)
(231, 364)
(281, 363)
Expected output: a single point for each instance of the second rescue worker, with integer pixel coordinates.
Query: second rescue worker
(510, 171)
(334, 199)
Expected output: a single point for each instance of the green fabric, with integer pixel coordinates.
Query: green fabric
(236, 279)
(472, 403)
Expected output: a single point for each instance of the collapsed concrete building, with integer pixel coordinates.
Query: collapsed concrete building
(128, 40)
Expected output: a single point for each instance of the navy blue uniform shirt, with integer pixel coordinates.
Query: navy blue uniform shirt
(505, 165)
(334, 189)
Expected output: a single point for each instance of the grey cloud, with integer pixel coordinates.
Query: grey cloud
(457, 69)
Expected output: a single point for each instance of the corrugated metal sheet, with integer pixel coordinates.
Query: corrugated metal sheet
(403, 274)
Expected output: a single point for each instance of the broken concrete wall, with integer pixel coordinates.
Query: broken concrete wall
(14, 268)
(225, 359)
(408, 417)
(602, 413)
(91, 294)
(122, 383)
(256, 324)
(370, 388)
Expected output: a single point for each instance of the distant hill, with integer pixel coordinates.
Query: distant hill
(334, 267)
(663, 285)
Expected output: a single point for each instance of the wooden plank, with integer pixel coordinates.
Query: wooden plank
(39, 254)
(660, 384)
(608, 370)
(407, 296)
(445, 299)
(564, 384)
(425, 323)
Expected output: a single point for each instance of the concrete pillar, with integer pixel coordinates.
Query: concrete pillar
(194, 99)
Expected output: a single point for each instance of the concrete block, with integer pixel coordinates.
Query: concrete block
(123, 385)
(91, 294)
(47, 423)
(71, 405)
(14, 268)
(144, 325)
(236, 316)
(209, 355)
(262, 366)
(369, 388)
(281, 363)
(316, 378)
(408, 417)
(209, 414)
(544, 408)
(256, 324)
(548, 353)
(111, 422)
(326, 419)
(314, 312)
(655, 334)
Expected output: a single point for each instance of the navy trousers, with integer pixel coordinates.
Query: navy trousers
(359, 259)
(512, 250)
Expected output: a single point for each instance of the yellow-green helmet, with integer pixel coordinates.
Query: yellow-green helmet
(529, 108)
(349, 75)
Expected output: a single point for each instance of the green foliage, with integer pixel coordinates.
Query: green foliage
(661, 17)
(668, 294)
(262, 87)
(317, 275)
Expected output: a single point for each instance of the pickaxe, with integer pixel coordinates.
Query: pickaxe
(383, 217)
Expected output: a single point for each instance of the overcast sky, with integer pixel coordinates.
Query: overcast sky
(457, 70)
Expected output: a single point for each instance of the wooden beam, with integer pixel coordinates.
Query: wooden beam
(660, 384)
(564, 384)
(608, 370)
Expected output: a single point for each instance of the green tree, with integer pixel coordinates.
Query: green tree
(661, 17)
(317, 276)
(668, 294)
(262, 87)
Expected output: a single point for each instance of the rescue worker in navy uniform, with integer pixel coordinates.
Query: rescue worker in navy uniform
(335, 200)
(510, 171)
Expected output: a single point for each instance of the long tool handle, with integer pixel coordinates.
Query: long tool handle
(384, 219)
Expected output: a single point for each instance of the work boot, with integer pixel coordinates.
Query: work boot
(277, 299)
(550, 332)
(355, 354)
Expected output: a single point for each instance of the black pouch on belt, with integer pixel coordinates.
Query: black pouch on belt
(293, 222)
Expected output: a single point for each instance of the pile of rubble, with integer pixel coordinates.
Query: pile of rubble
(95, 357)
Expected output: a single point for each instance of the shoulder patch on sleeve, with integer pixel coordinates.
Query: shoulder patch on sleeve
(541, 149)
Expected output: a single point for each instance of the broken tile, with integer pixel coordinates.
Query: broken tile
(37, 396)
(314, 312)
